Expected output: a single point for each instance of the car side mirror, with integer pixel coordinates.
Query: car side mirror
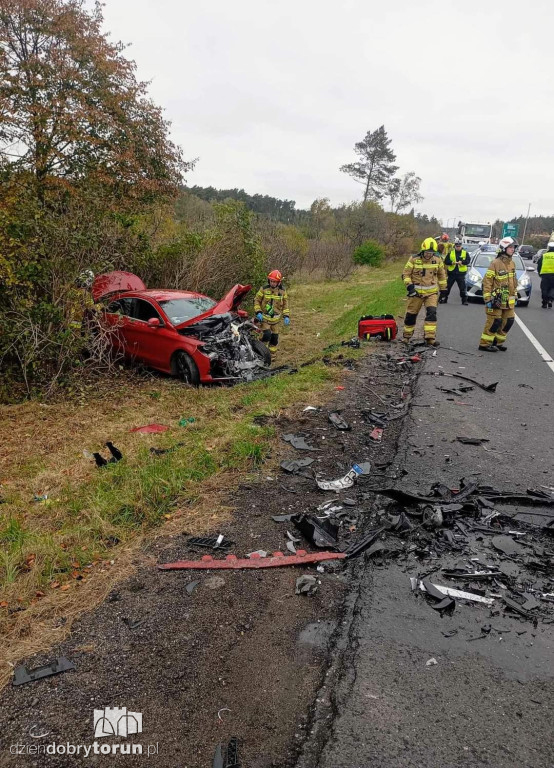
(154, 322)
(530, 269)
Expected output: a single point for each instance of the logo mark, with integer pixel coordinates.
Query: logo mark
(116, 721)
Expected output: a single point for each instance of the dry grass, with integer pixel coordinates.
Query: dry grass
(63, 555)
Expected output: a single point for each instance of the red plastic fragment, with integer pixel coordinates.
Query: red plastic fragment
(376, 434)
(231, 561)
(149, 429)
(339, 389)
(415, 359)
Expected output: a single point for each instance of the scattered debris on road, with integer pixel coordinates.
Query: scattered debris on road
(23, 675)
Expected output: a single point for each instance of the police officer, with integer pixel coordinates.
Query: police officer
(456, 263)
(424, 276)
(545, 268)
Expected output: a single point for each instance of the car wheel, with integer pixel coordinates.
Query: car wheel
(185, 368)
(261, 351)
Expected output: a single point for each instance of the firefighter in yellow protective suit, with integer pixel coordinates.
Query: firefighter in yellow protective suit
(271, 305)
(500, 296)
(424, 276)
(447, 245)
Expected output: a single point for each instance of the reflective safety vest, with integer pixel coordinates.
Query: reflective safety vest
(450, 261)
(547, 267)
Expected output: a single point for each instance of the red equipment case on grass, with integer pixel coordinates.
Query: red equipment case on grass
(383, 327)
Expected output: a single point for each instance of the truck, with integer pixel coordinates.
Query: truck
(475, 233)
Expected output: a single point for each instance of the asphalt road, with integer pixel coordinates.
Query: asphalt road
(488, 702)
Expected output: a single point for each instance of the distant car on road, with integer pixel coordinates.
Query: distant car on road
(480, 261)
(526, 251)
(538, 254)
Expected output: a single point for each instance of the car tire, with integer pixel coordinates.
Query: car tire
(185, 368)
(261, 351)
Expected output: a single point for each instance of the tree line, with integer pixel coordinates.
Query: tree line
(91, 180)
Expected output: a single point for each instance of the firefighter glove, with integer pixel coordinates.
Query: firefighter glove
(488, 304)
(411, 290)
(259, 317)
(287, 320)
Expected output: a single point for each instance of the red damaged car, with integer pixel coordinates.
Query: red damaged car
(181, 333)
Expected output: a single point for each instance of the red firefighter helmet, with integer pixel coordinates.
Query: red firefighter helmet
(275, 275)
(444, 237)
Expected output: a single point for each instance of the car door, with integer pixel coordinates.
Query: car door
(117, 320)
(151, 345)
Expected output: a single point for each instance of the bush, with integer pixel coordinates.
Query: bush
(369, 253)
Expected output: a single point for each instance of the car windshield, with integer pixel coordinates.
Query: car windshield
(484, 259)
(181, 310)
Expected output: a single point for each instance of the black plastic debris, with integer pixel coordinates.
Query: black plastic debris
(462, 573)
(350, 502)
(512, 605)
(441, 603)
(22, 675)
(282, 518)
(486, 387)
(322, 534)
(450, 633)
(133, 624)
(357, 547)
(338, 422)
(507, 545)
(295, 465)
(99, 459)
(227, 756)
(398, 523)
(299, 442)
(407, 498)
(116, 455)
(211, 542)
(354, 343)
(510, 570)
(306, 585)
(473, 440)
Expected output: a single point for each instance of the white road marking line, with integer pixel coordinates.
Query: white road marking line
(536, 343)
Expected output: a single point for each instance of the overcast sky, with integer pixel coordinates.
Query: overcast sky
(271, 95)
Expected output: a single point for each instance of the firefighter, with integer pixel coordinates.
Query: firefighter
(271, 305)
(545, 268)
(456, 267)
(500, 296)
(424, 276)
(445, 241)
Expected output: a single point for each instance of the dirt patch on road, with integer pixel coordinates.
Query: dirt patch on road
(240, 654)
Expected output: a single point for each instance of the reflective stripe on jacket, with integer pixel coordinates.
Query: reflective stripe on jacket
(453, 256)
(427, 275)
(272, 303)
(501, 277)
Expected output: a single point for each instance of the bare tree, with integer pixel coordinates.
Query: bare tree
(375, 168)
(404, 192)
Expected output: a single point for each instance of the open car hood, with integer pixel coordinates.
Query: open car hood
(229, 303)
(114, 282)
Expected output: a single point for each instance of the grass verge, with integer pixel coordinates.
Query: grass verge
(63, 553)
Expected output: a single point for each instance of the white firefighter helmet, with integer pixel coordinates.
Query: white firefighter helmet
(505, 243)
